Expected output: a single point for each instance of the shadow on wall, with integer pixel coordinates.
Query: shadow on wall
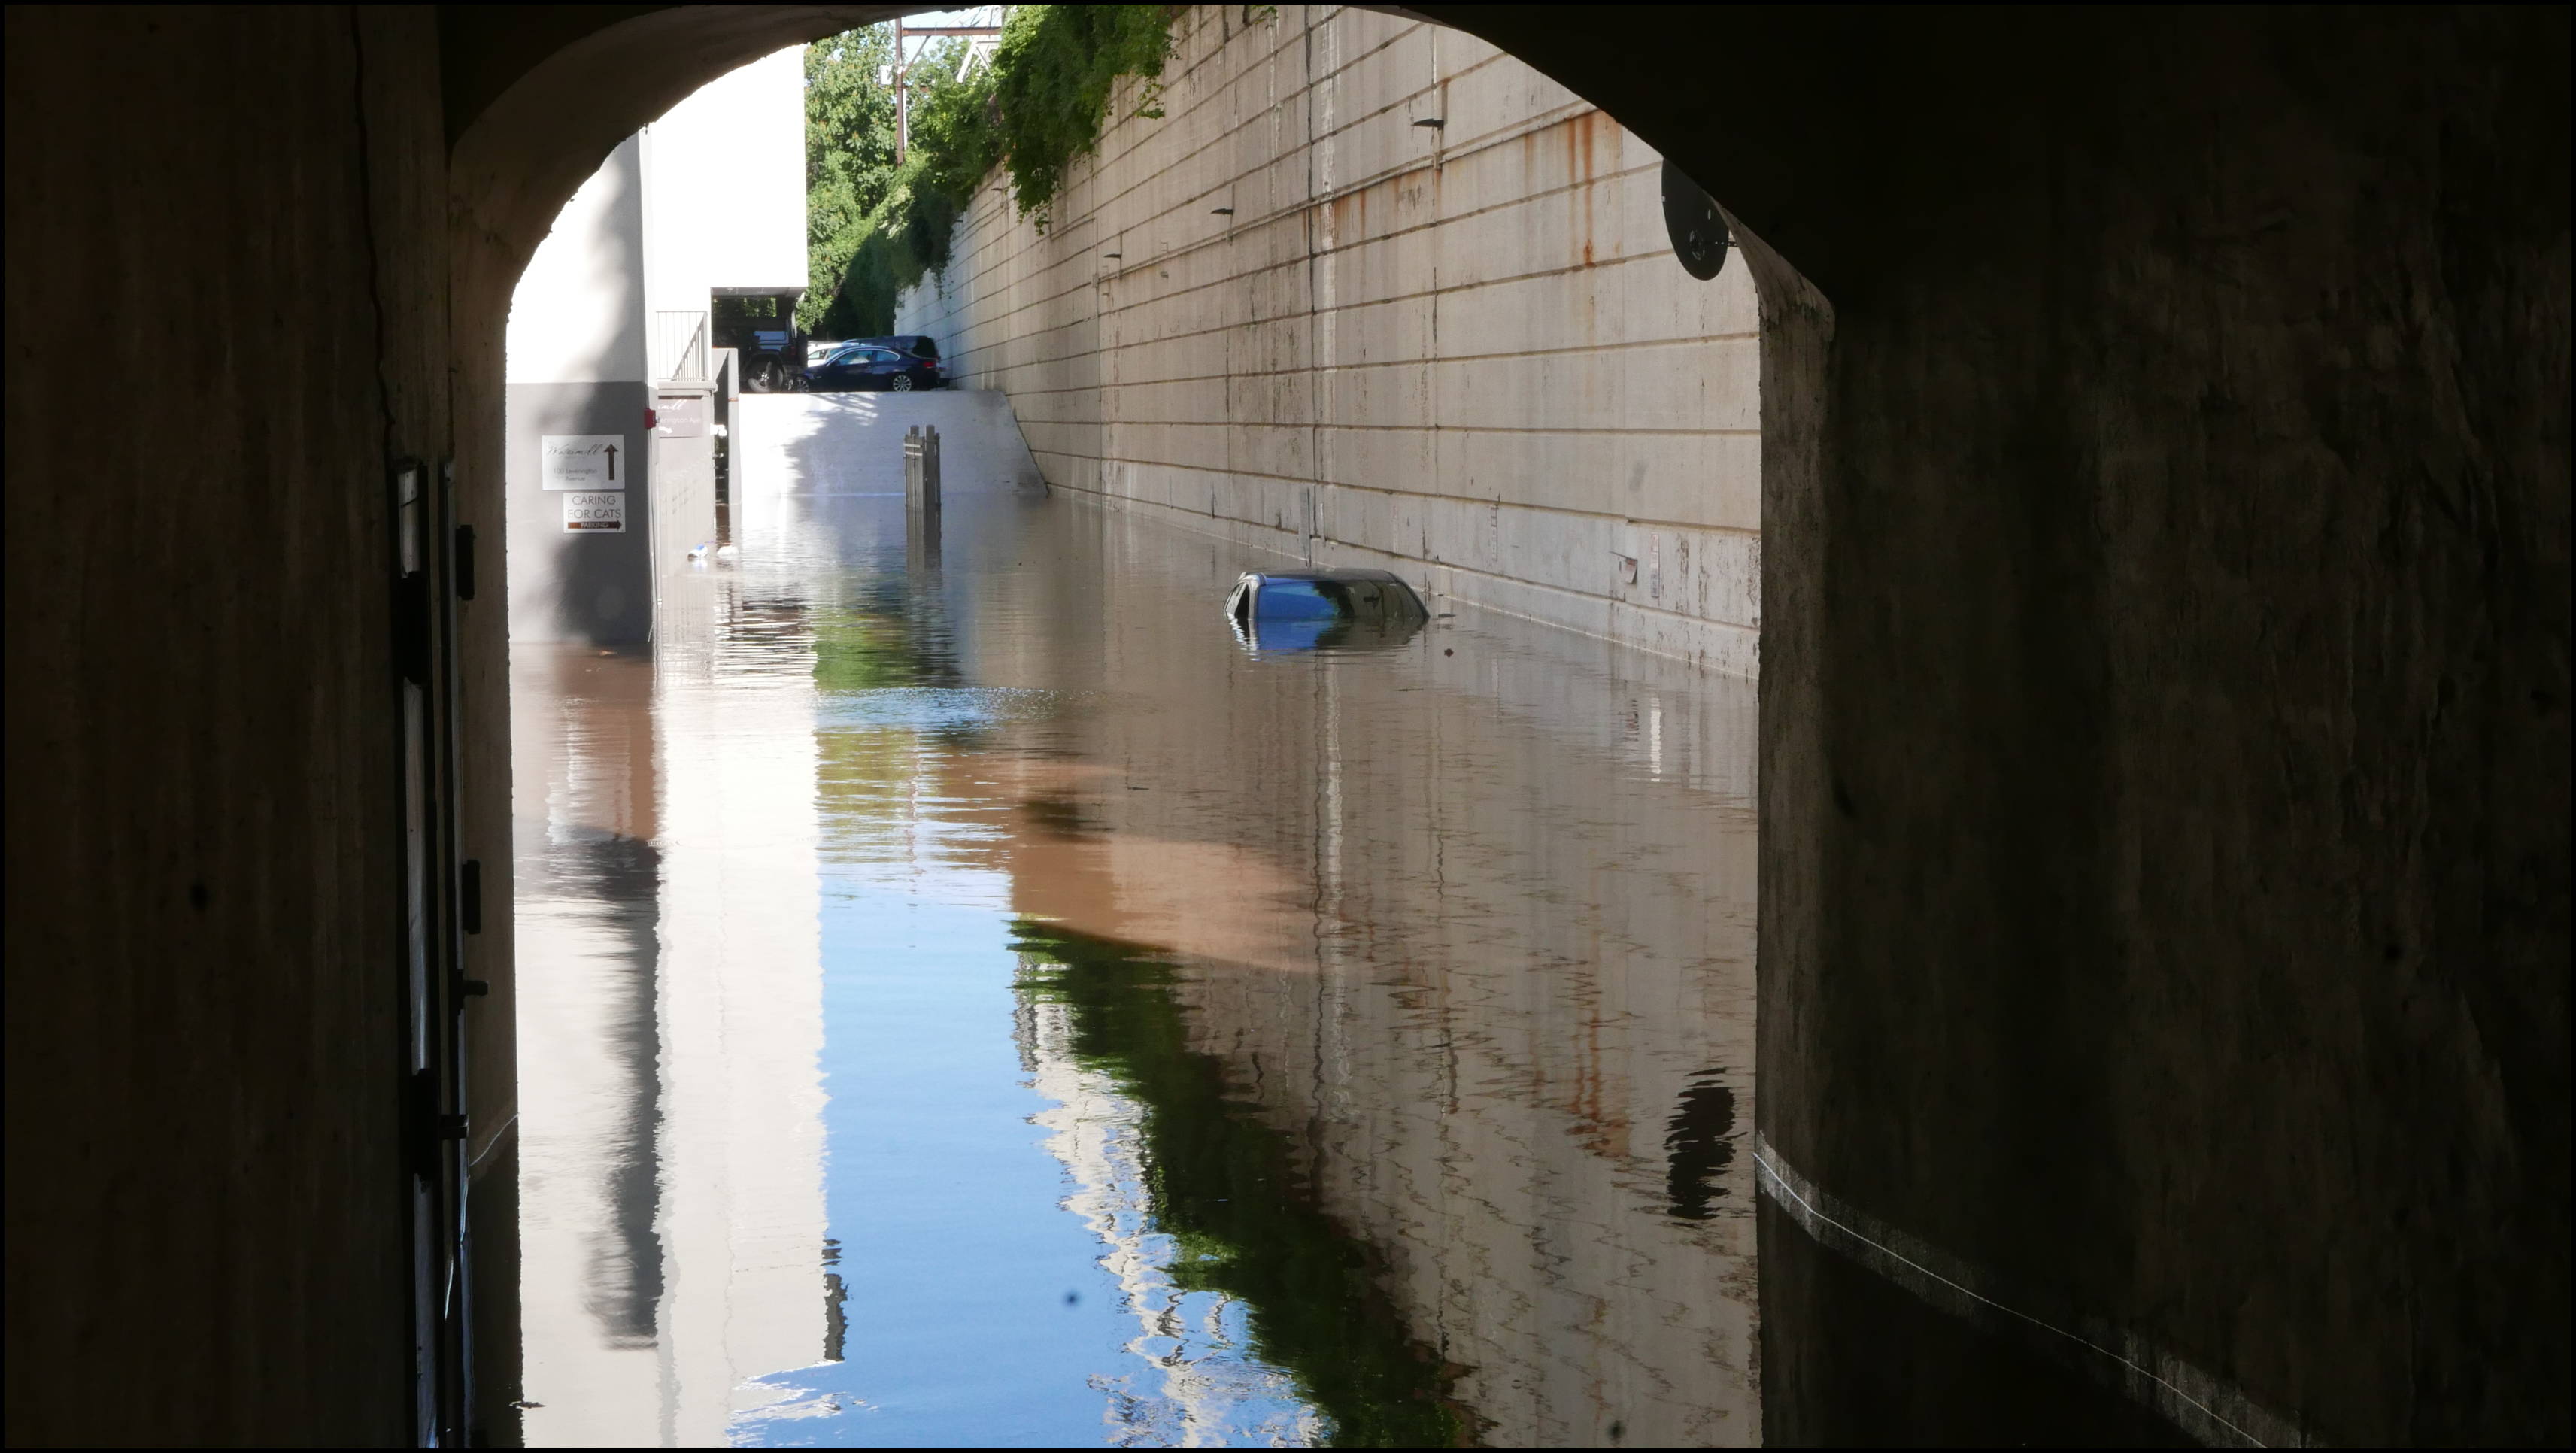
(852, 443)
(583, 275)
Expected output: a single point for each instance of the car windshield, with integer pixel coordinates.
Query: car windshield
(1316, 600)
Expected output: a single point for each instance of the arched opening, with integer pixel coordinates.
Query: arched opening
(1307, 836)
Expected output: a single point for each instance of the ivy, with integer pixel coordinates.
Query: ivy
(1036, 109)
(1052, 78)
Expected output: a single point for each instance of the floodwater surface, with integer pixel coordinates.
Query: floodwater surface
(969, 998)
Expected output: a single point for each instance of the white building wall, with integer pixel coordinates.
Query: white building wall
(711, 195)
(727, 188)
(1464, 352)
(609, 327)
(578, 313)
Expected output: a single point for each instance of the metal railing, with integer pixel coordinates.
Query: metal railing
(680, 346)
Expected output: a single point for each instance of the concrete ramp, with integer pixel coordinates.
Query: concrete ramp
(825, 444)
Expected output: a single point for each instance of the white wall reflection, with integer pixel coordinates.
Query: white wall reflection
(671, 1031)
(742, 1027)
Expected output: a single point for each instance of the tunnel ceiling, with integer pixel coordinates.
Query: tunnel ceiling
(536, 96)
(1798, 148)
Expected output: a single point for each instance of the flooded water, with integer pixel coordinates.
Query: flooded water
(969, 998)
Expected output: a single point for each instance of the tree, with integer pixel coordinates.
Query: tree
(849, 153)
(879, 227)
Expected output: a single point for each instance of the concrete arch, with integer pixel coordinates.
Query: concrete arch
(2164, 724)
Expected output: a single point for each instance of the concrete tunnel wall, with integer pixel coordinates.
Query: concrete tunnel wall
(2164, 745)
(1463, 352)
(2164, 767)
(226, 307)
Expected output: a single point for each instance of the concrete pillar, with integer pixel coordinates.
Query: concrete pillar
(583, 563)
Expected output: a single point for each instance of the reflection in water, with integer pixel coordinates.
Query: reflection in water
(1213, 1221)
(623, 1283)
(1700, 1142)
(670, 1031)
(1018, 1015)
(588, 891)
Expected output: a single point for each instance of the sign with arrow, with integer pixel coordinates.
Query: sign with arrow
(586, 462)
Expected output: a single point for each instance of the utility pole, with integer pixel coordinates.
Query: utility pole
(903, 76)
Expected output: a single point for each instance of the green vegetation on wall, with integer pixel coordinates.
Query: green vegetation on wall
(1227, 1189)
(876, 227)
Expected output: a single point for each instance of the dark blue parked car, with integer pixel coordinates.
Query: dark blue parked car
(863, 366)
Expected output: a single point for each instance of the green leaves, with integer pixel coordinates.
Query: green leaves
(1053, 75)
(875, 227)
(849, 153)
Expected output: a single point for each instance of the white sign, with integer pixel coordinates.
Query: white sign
(585, 461)
(603, 513)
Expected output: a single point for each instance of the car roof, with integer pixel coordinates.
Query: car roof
(1268, 575)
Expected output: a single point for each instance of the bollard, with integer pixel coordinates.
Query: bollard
(921, 471)
(921, 496)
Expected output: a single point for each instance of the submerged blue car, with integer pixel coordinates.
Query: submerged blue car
(1305, 610)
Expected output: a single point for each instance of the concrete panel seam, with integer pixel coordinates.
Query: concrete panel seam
(1242, 229)
(1576, 350)
(1390, 492)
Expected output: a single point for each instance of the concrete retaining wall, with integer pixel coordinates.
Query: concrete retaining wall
(1464, 351)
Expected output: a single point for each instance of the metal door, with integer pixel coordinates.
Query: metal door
(432, 562)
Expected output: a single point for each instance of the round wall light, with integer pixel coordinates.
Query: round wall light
(1691, 217)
